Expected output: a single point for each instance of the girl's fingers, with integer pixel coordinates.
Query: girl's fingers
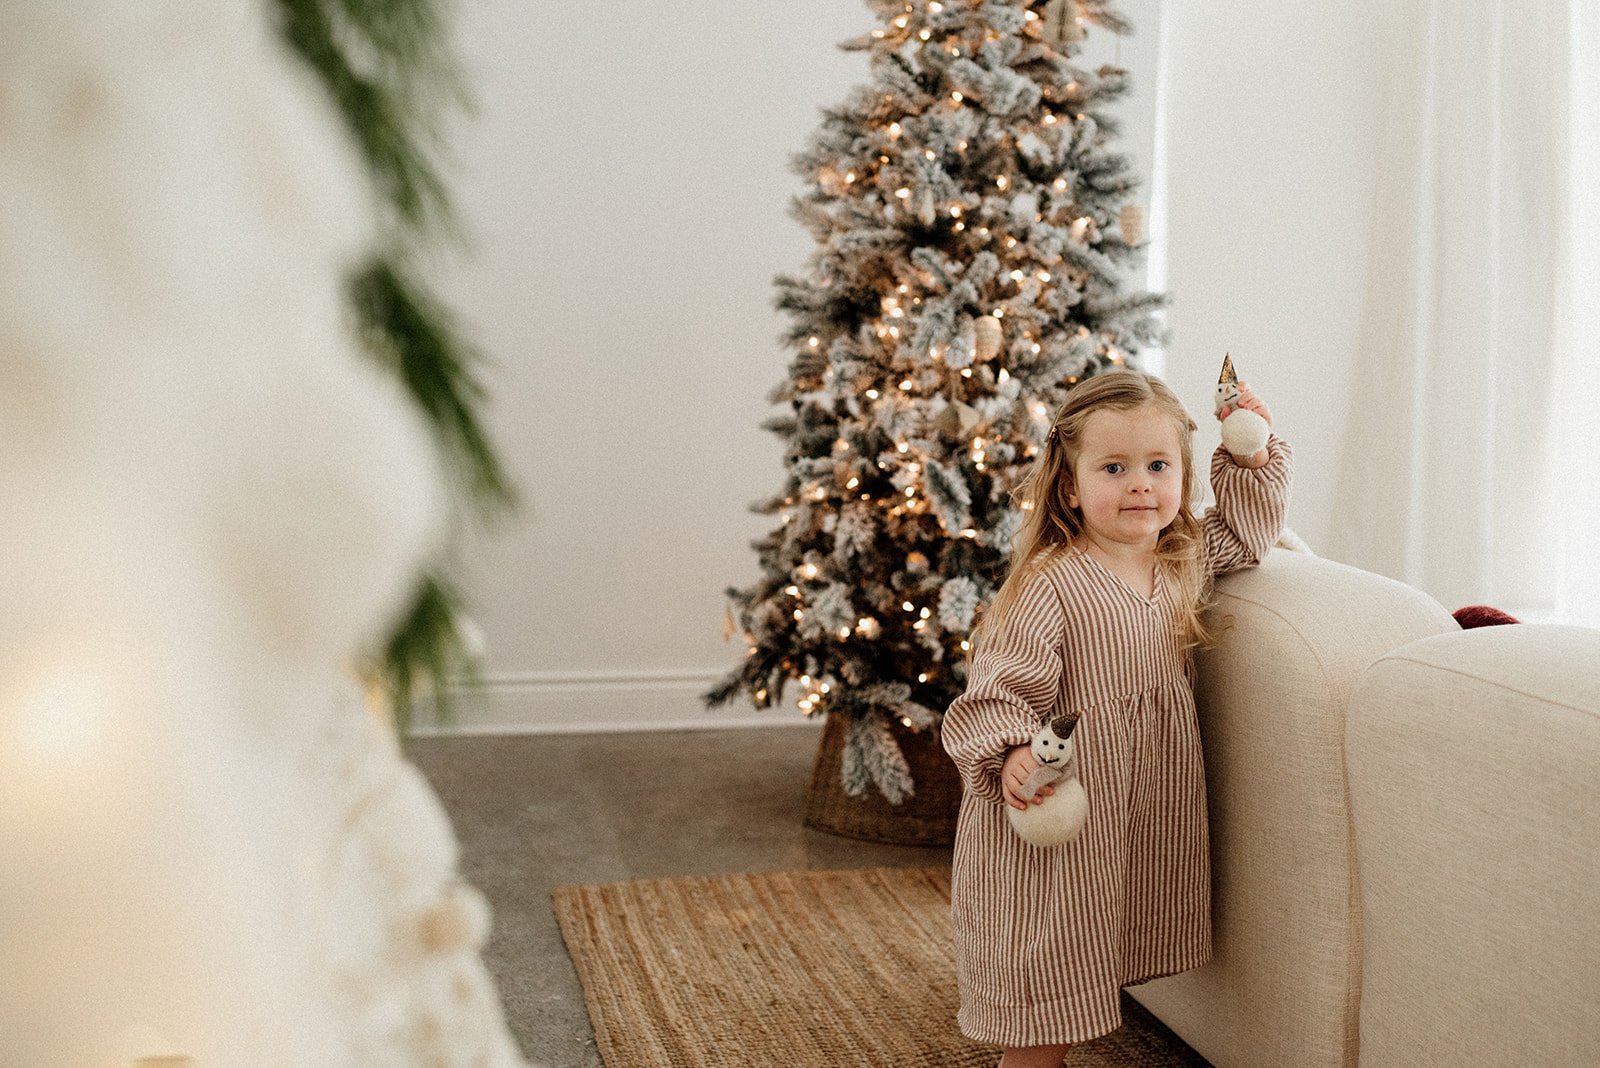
(1248, 399)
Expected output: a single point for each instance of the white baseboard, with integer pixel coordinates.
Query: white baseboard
(547, 703)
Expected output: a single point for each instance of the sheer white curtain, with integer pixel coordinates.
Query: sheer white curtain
(1472, 467)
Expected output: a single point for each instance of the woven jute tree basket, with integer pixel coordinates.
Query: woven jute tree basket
(926, 818)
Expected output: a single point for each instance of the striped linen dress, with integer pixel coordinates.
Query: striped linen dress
(1046, 938)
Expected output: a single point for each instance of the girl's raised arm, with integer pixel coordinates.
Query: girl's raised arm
(1250, 509)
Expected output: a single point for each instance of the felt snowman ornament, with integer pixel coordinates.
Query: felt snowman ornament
(1059, 818)
(1244, 433)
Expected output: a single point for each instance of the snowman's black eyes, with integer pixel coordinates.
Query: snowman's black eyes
(1061, 745)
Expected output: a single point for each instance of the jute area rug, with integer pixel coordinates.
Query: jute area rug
(809, 968)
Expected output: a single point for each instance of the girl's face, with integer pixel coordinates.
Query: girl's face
(1128, 480)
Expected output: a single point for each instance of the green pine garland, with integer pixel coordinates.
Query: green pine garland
(388, 66)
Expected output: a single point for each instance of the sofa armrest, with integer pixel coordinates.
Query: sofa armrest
(1282, 986)
(1475, 788)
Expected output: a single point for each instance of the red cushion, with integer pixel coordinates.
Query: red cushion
(1481, 615)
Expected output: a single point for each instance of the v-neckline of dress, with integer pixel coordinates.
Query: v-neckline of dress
(1155, 585)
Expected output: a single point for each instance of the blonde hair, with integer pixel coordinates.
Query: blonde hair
(1051, 526)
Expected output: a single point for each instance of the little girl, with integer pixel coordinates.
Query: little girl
(1098, 614)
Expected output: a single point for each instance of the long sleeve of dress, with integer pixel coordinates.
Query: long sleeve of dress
(1250, 509)
(1012, 688)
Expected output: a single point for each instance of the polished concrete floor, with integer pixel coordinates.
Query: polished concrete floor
(533, 812)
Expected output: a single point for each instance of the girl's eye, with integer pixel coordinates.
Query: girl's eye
(1113, 469)
(1159, 465)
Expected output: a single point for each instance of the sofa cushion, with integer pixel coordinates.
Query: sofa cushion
(1475, 786)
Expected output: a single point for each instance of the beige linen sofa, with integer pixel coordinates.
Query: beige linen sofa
(1405, 826)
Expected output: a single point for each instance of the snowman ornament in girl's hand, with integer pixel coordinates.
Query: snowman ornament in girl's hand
(1057, 817)
(1244, 432)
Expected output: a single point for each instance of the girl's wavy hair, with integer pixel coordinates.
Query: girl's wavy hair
(1051, 526)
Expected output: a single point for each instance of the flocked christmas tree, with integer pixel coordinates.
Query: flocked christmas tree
(976, 234)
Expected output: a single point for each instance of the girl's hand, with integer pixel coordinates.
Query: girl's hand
(1019, 764)
(1247, 399)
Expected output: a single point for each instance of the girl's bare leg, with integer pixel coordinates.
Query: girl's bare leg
(1033, 1056)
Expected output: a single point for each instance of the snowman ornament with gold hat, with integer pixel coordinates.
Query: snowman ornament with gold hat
(1244, 432)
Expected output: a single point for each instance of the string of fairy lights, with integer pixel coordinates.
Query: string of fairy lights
(907, 177)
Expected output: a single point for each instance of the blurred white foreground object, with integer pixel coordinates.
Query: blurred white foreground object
(212, 500)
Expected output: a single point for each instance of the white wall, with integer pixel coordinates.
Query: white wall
(626, 185)
(1269, 148)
